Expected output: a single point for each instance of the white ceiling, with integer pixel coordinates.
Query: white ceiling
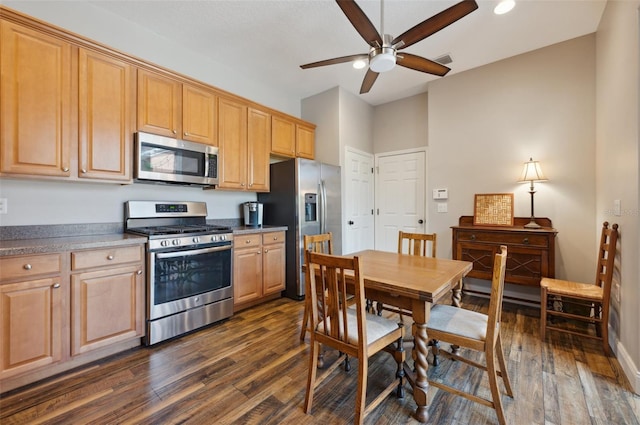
(268, 40)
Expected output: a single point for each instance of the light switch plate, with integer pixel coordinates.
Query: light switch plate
(4, 205)
(442, 207)
(617, 210)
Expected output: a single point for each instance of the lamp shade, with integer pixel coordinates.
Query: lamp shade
(532, 172)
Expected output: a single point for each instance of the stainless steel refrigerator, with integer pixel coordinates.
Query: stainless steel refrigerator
(305, 196)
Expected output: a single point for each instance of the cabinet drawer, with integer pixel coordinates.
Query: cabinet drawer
(503, 238)
(29, 266)
(106, 257)
(273, 237)
(246, 241)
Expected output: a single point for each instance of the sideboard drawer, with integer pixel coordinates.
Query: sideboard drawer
(28, 266)
(504, 238)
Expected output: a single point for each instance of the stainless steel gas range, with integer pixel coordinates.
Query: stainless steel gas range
(189, 278)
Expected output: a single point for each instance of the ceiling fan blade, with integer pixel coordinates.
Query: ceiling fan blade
(421, 64)
(435, 23)
(369, 79)
(335, 61)
(360, 22)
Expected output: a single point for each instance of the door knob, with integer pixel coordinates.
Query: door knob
(350, 223)
(421, 221)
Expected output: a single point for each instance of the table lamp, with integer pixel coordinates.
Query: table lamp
(532, 173)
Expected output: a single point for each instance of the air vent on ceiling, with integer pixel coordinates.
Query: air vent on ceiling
(444, 59)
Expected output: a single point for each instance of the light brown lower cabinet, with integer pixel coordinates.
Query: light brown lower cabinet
(65, 309)
(258, 268)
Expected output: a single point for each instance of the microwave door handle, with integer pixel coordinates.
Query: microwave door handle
(192, 252)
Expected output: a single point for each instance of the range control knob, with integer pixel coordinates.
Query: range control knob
(214, 238)
(223, 237)
(175, 242)
(196, 239)
(164, 242)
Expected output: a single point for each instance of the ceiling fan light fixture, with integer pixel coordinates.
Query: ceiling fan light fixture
(359, 64)
(504, 6)
(382, 59)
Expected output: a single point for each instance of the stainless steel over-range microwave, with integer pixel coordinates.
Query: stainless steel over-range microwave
(161, 159)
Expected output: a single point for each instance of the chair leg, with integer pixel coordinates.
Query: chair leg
(379, 307)
(543, 313)
(493, 385)
(604, 326)
(361, 396)
(435, 350)
(400, 370)
(311, 377)
(305, 321)
(503, 367)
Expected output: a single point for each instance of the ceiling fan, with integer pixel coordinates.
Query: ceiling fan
(383, 54)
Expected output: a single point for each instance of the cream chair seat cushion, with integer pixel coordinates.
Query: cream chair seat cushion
(455, 320)
(377, 326)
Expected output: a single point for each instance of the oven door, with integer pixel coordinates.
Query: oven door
(183, 279)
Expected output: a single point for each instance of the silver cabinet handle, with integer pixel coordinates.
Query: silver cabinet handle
(65, 169)
(175, 132)
(84, 171)
(247, 241)
(109, 257)
(139, 272)
(186, 134)
(258, 252)
(525, 241)
(27, 267)
(266, 250)
(56, 285)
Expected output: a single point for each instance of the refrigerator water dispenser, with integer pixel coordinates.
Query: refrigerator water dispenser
(310, 207)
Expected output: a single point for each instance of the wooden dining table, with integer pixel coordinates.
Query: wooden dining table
(413, 283)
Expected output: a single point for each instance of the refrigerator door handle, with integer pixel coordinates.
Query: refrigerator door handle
(323, 209)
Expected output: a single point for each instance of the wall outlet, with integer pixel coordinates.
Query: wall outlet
(3, 205)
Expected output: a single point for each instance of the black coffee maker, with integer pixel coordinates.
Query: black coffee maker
(253, 214)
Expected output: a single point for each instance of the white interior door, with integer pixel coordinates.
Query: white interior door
(400, 185)
(359, 191)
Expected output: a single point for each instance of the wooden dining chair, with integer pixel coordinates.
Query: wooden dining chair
(476, 331)
(322, 243)
(583, 302)
(350, 331)
(412, 244)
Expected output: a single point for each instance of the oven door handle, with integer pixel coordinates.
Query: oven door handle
(193, 252)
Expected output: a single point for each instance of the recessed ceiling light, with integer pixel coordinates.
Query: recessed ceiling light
(504, 6)
(359, 64)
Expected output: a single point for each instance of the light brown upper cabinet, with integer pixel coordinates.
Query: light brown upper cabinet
(305, 141)
(170, 108)
(35, 103)
(106, 108)
(292, 139)
(258, 146)
(66, 111)
(232, 141)
(244, 137)
(283, 136)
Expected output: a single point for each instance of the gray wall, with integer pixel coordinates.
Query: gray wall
(617, 165)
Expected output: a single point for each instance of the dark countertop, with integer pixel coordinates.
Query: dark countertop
(69, 243)
(42, 245)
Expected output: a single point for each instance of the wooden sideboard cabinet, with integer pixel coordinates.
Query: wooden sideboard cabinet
(530, 252)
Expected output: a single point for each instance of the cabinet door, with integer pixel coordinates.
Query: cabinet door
(258, 148)
(232, 141)
(105, 117)
(198, 115)
(247, 275)
(159, 104)
(305, 142)
(273, 268)
(283, 136)
(31, 326)
(106, 307)
(35, 103)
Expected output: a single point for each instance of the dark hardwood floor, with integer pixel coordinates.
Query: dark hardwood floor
(252, 369)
